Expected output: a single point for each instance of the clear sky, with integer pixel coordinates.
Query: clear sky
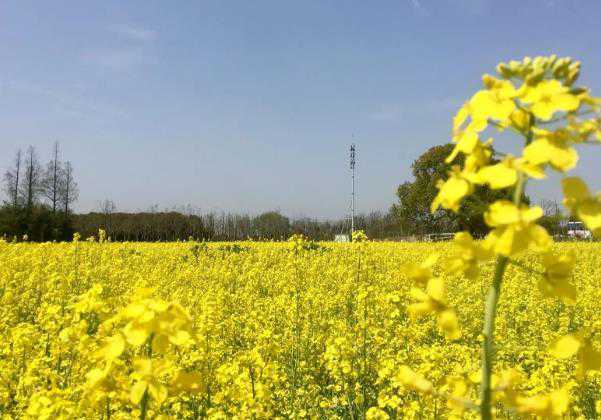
(251, 105)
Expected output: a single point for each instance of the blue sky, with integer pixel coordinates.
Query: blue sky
(251, 106)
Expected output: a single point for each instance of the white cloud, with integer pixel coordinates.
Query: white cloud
(115, 59)
(68, 100)
(130, 52)
(133, 33)
(418, 7)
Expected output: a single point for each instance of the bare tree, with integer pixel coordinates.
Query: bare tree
(68, 190)
(11, 180)
(52, 179)
(31, 184)
(107, 208)
(550, 207)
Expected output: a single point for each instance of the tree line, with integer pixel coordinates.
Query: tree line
(39, 197)
(182, 224)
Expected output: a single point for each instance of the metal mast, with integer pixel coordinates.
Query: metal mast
(352, 156)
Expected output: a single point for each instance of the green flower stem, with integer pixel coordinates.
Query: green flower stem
(144, 405)
(488, 332)
(490, 310)
(525, 268)
(144, 402)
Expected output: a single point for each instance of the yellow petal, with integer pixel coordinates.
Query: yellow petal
(436, 289)
(180, 338)
(137, 391)
(135, 334)
(565, 347)
(574, 190)
(560, 401)
(460, 117)
(157, 391)
(501, 212)
(560, 156)
(450, 193)
(187, 382)
(590, 213)
(590, 358)
(114, 347)
(417, 310)
(498, 176)
(447, 321)
(413, 380)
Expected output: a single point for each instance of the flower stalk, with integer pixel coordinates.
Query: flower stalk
(490, 310)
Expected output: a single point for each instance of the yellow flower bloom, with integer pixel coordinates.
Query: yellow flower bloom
(548, 148)
(187, 382)
(582, 204)
(466, 141)
(167, 323)
(504, 212)
(98, 378)
(449, 324)
(520, 120)
(413, 380)
(478, 158)
(375, 413)
(474, 125)
(113, 348)
(555, 280)
(505, 173)
(565, 347)
(359, 236)
(578, 345)
(433, 301)
(549, 97)
(495, 103)
(499, 175)
(505, 385)
(470, 253)
(552, 405)
(147, 375)
(514, 228)
(458, 390)
(451, 192)
(421, 273)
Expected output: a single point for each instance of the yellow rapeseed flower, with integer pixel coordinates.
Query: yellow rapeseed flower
(582, 203)
(548, 406)
(548, 97)
(451, 192)
(514, 228)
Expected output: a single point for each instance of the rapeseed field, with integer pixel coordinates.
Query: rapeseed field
(105, 330)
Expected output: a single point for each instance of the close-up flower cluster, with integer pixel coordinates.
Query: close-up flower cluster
(537, 101)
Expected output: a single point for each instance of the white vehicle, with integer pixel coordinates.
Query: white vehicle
(577, 230)
(341, 238)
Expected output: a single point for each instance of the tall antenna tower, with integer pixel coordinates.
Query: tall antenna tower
(352, 160)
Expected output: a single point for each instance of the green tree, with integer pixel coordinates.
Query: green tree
(272, 225)
(415, 197)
